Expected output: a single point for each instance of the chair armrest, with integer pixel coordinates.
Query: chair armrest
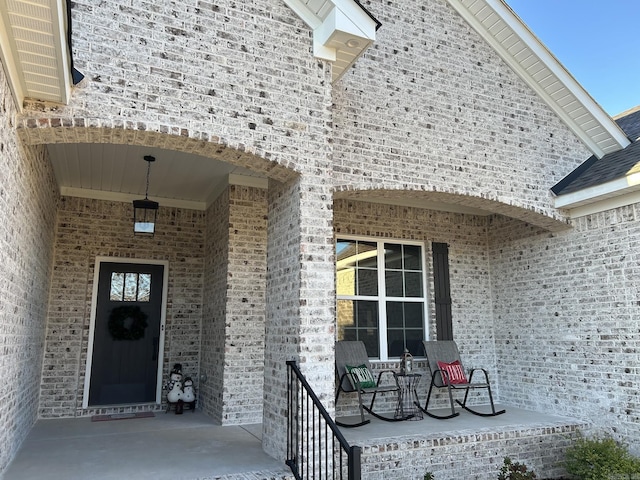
(383, 372)
(352, 382)
(484, 371)
(444, 377)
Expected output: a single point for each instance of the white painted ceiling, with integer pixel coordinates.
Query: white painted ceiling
(118, 172)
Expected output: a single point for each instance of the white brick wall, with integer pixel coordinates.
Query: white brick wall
(28, 201)
(90, 228)
(567, 316)
(432, 109)
(214, 322)
(428, 110)
(244, 321)
(234, 294)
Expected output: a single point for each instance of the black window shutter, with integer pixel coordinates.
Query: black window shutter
(442, 292)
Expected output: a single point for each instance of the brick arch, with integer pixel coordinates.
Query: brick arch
(409, 195)
(80, 130)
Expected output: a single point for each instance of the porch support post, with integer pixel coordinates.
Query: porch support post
(300, 310)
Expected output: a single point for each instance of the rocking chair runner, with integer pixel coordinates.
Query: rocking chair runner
(353, 374)
(447, 372)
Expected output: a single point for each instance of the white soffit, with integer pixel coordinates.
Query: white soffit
(342, 30)
(34, 50)
(531, 60)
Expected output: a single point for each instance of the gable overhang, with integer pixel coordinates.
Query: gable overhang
(342, 30)
(598, 198)
(34, 50)
(501, 28)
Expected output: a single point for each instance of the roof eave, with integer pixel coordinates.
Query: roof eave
(497, 24)
(598, 198)
(34, 50)
(342, 30)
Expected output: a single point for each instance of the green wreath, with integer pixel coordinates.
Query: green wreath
(117, 319)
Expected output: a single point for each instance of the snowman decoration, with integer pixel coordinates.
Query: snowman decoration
(175, 388)
(188, 392)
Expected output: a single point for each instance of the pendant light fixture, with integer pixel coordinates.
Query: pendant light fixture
(145, 211)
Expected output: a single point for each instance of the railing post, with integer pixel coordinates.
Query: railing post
(354, 463)
(306, 418)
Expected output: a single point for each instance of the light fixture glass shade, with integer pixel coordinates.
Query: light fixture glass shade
(144, 216)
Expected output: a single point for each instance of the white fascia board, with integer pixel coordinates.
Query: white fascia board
(521, 30)
(345, 16)
(12, 63)
(602, 197)
(63, 51)
(338, 21)
(605, 204)
(559, 71)
(358, 18)
(306, 15)
(8, 55)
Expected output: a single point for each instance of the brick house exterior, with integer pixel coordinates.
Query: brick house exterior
(431, 121)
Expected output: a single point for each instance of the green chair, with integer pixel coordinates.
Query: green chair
(353, 374)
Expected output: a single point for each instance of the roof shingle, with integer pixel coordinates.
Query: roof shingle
(610, 167)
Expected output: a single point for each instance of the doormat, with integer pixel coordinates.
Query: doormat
(121, 416)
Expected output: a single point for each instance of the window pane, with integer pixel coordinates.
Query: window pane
(367, 314)
(393, 281)
(144, 287)
(395, 340)
(395, 315)
(371, 342)
(392, 256)
(412, 257)
(360, 315)
(367, 254)
(345, 253)
(345, 316)
(413, 284)
(368, 282)
(413, 315)
(130, 287)
(117, 287)
(414, 342)
(349, 334)
(346, 281)
(405, 327)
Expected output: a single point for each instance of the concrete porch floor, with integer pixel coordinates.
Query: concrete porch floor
(193, 447)
(168, 446)
(379, 431)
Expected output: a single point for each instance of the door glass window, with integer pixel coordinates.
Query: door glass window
(130, 287)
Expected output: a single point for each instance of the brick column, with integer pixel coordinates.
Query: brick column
(300, 310)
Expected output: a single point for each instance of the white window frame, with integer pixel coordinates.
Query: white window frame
(382, 297)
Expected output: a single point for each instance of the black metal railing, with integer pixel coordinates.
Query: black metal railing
(316, 449)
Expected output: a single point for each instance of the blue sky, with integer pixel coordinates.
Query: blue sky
(596, 40)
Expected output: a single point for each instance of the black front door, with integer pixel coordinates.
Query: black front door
(124, 366)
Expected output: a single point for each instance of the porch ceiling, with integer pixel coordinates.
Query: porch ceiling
(118, 172)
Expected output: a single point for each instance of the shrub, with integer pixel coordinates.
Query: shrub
(429, 476)
(515, 471)
(600, 459)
